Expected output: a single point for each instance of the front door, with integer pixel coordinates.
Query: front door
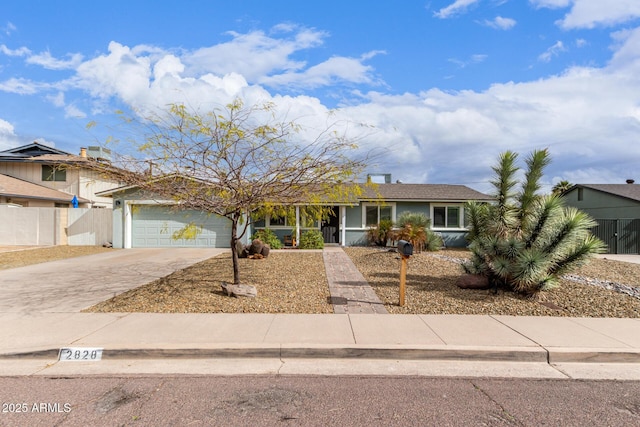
(331, 227)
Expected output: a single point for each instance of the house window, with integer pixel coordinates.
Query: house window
(580, 194)
(277, 222)
(373, 214)
(51, 173)
(447, 217)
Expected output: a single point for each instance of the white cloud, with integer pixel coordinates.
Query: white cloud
(455, 8)
(500, 23)
(9, 28)
(554, 50)
(336, 69)
(120, 73)
(71, 111)
(433, 136)
(551, 4)
(8, 137)
(592, 13)
(47, 61)
(253, 55)
(21, 51)
(473, 59)
(20, 86)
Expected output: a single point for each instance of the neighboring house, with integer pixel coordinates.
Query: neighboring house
(616, 208)
(16, 192)
(35, 175)
(143, 222)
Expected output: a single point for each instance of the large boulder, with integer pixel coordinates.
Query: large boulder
(473, 281)
(255, 247)
(258, 247)
(265, 250)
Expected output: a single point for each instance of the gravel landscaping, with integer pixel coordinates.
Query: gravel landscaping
(292, 281)
(16, 256)
(287, 282)
(431, 289)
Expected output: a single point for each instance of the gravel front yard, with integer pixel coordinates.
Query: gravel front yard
(294, 281)
(431, 288)
(287, 282)
(15, 256)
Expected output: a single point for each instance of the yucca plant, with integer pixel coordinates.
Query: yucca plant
(526, 241)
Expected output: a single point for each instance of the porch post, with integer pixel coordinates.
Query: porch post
(127, 225)
(343, 225)
(297, 225)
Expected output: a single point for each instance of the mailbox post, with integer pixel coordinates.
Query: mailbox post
(405, 249)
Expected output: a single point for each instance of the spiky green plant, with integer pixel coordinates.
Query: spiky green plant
(414, 228)
(527, 241)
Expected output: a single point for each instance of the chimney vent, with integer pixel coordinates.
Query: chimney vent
(83, 152)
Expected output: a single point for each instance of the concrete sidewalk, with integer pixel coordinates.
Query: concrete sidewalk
(550, 347)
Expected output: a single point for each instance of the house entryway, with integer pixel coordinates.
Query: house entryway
(331, 227)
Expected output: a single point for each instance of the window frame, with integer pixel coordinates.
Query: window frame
(378, 206)
(461, 218)
(53, 174)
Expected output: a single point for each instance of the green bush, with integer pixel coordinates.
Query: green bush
(311, 239)
(269, 237)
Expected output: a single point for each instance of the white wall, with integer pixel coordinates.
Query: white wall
(55, 226)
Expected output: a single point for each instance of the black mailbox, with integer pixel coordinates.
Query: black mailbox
(405, 248)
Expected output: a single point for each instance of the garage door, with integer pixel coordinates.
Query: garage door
(156, 227)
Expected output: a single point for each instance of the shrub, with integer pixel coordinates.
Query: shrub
(381, 233)
(433, 242)
(311, 239)
(269, 237)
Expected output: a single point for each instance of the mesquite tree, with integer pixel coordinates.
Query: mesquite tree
(526, 241)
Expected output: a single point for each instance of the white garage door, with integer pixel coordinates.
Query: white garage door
(155, 226)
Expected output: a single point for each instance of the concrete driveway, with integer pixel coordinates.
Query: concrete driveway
(70, 285)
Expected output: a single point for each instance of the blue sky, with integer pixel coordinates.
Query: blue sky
(446, 85)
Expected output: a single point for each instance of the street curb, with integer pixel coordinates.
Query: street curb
(590, 355)
(486, 354)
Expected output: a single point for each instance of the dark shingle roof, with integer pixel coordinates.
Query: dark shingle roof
(31, 150)
(629, 191)
(425, 192)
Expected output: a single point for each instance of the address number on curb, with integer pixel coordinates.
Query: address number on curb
(80, 354)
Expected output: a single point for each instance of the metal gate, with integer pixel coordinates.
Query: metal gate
(622, 236)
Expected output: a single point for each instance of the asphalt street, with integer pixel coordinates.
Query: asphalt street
(315, 401)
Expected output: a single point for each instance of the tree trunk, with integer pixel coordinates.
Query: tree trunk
(234, 253)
